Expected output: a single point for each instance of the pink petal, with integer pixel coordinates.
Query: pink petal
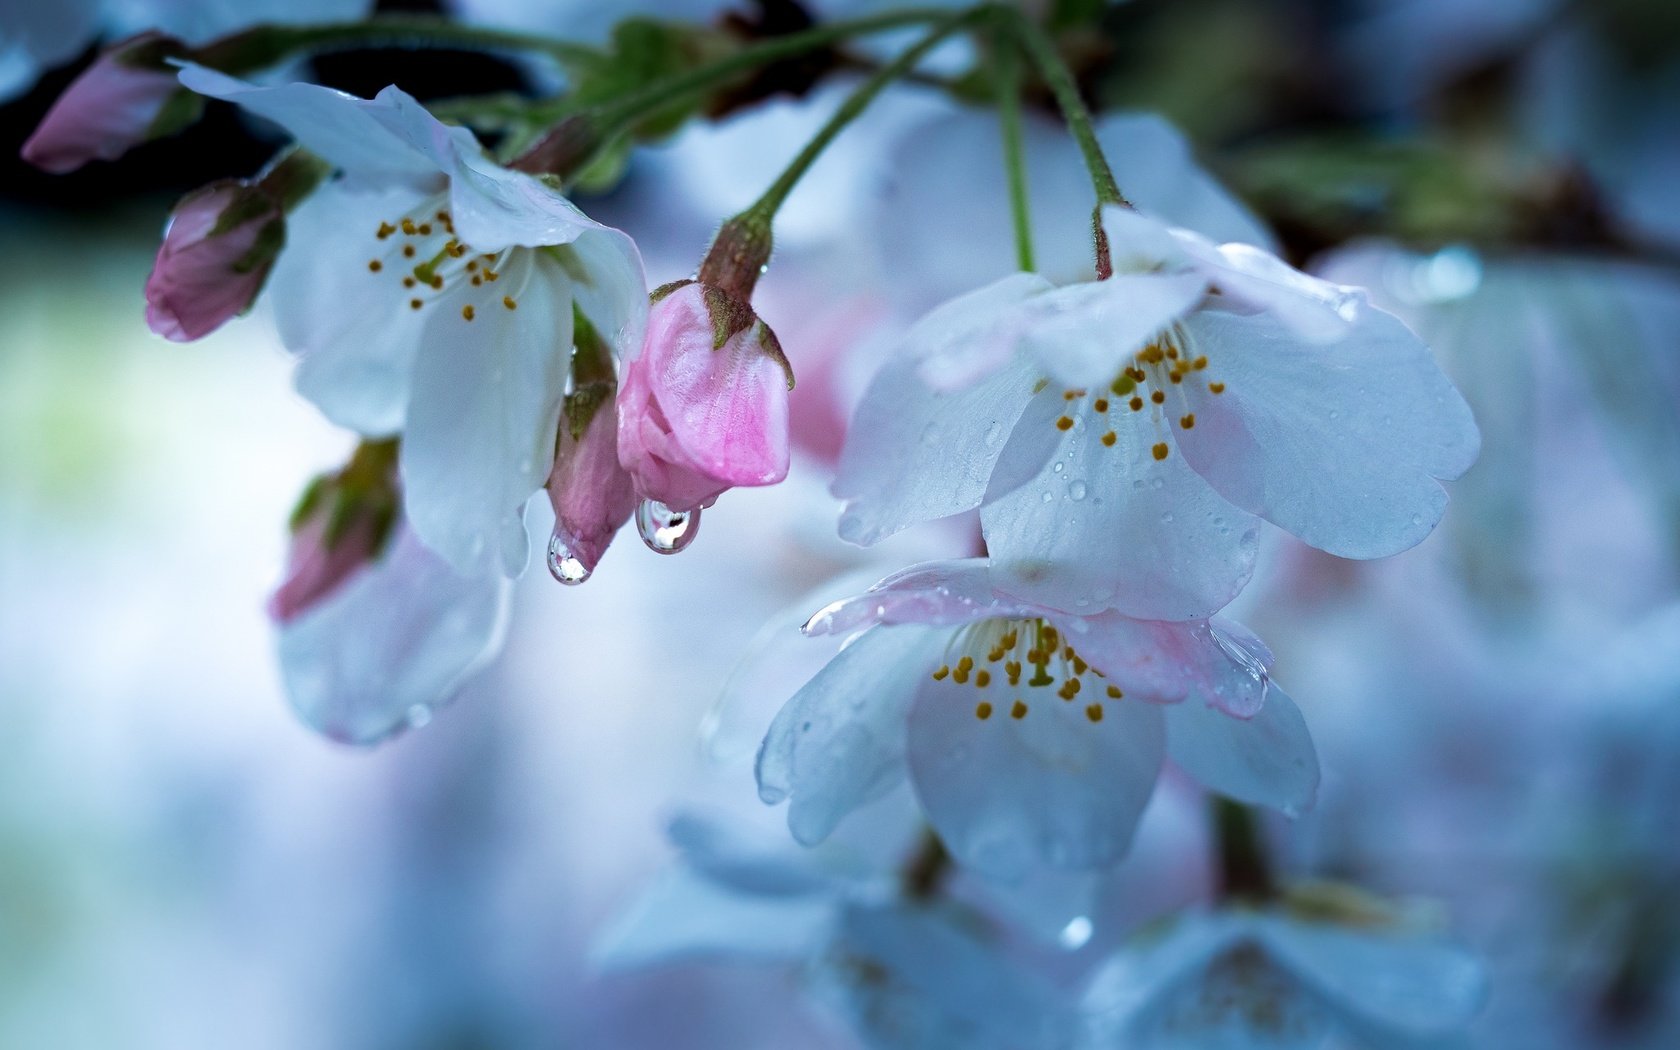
(110, 108)
(205, 276)
(592, 495)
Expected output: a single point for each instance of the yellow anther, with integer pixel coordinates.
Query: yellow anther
(982, 679)
(507, 301)
(375, 265)
(1072, 686)
(1188, 421)
(940, 675)
(491, 275)
(436, 281)
(385, 230)
(425, 229)
(1158, 397)
(467, 312)
(1175, 378)
(983, 710)
(477, 280)
(408, 251)
(408, 227)
(1199, 363)
(1079, 664)
(414, 304)
(1094, 712)
(1072, 395)
(1160, 450)
(1064, 423)
(1136, 403)
(1217, 388)
(1100, 404)
(1018, 711)
(960, 675)
(472, 264)
(1110, 438)
(1114, 692)
(1008, 640)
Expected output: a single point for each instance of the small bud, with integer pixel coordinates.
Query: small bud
(340, 525)
(591, 493)
(704, 407)
(215, 255)
(126, 97)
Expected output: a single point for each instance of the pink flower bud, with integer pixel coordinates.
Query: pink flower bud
(215, 255)
(317, 566)
(117, 103)
(592, 495)
(705, 406)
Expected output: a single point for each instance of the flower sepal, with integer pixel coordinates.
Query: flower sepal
(341, 523)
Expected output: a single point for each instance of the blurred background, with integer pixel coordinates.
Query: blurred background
(183, 864)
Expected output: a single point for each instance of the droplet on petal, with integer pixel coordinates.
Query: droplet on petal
(666, 531)
(563, 565)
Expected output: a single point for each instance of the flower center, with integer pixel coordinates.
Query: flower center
(1023, 655)
(1157, 374)
(420, 251)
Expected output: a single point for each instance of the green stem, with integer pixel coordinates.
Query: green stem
(1007, 78)
(1243, 868)
(265, 45)
(764, 209)
(1060, 80)
(926, 869)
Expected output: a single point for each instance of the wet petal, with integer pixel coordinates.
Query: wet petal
(1338, 443)
(914, 454)
(961, 342)
(1169, 662)
(1051, 786)
(685, 916)
(591, 494)
(1108, 525)
(839, 742)
(940, 592)
(484, 414)
(495, 207)
(609, 286)
(1268, 759)
(1083, 334)
(391, 644)
(351, 326)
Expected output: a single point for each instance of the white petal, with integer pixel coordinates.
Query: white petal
(839, 742)
(734, 859)
(684, 916)
(610, 287)
(1267, 760)
(1051, 787)
(484, 414)
(945, 593)
(495, 207)
(961, 342)
(1138, 243)
(1083, 334)
(1153, 164)
(1389, 982)
(392, 645)
(1168, 662)
(351, 133)
(913, 454)
(352, 328)
(1252, 280)
(1114, 527)
(1338, 443)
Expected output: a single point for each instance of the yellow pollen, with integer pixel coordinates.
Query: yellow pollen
(1188, 421)
(467, 312)
(472, 264)
(1217, 388)
(442, 216)
(1114, 692)
(1199, 363)
(1158, 397)
(1172, 353)
(408, 282)
(1018, 711)
(940, 675)
(491, 275)
(414, 304)
(408, 251)
(385, 230)
(1110, 438)
(1160, 450)
(477, 280)
(1136, 403)
(436, 281)
(1094, 712)
(1151, 354)
(425, 229)
(1137, 375)
(1072, 395)
(1100, 404)
(1064, 423)
(374, 265)
(1175, 378)
(982, 679)
(983, 710)
(408, 227)
(507, 301)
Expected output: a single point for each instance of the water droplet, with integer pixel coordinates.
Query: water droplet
(1074, 935)
(1076, 489)
(418, 716)
(1137, 483)
(1417, 519)
(666, 531)
(563, 565)
(1047, 497)
(1058, 468)
(1166, 517)
(1156, 483)
(1335, 414)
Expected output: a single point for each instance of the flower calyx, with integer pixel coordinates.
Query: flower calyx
(341, 523)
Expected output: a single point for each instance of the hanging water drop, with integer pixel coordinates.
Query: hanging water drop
(1076, 490)
(563, 565)
(666, 531)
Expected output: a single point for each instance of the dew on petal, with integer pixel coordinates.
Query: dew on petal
(563, 565)
(1076, 933)
(1076, 490)
(666, 531)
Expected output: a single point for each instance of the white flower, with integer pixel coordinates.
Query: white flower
(431, 291)
(1121, 436)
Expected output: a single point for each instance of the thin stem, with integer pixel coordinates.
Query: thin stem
(1243, 868)
(765, 208)
(654, 96)
(925, 871)
(1060, 80)
(1007, 78)
(265, 45)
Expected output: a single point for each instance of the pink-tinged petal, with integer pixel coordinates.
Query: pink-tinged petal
(1266, 760)
(215, 255)
(483, 414)
(351, 326)
(961, 342)
(839, 742)
(348, 132)
(1106, 524)
(1339, 443)
(113, 106)
(315, 568)
(945, 593)
(696, 417)
(1171, 662)
(1082, 335)
(1050, 787)
(393, 644)
(914, 454)
(591, 494)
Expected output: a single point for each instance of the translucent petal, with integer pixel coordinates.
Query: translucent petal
(1083, 334)
(391, 645)
(685, 916)
(484, 414)
(1338, 443)
(1268, 759)
(967, 339)
(1168, 662)
(939, 592)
